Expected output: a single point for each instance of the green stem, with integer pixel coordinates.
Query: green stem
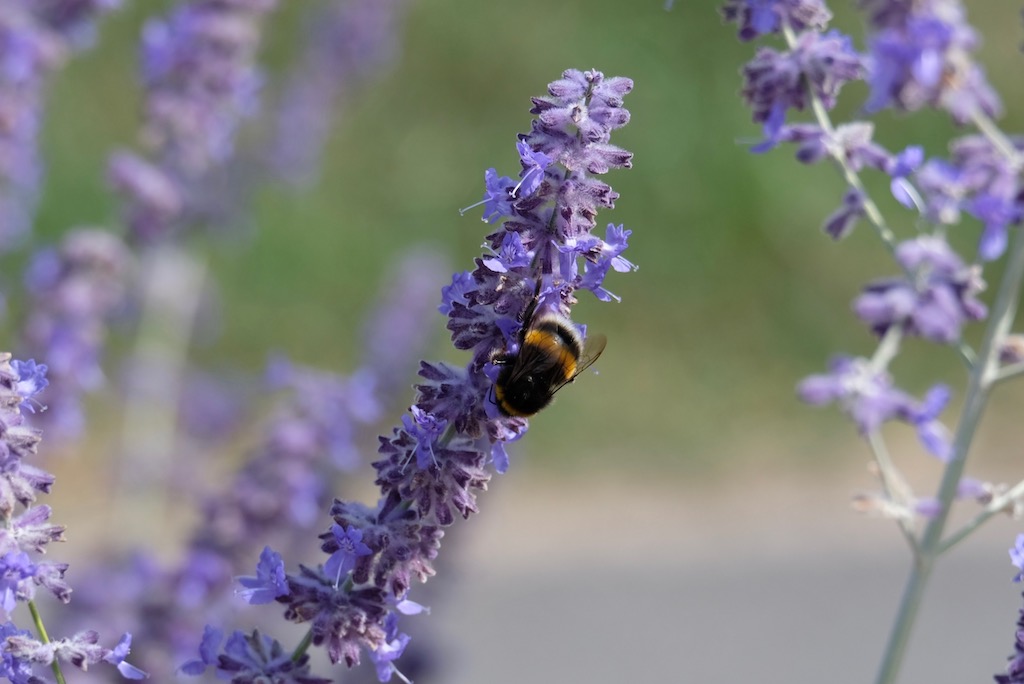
(894, 485)
(979, 385)
(871, 211)
(998, 139)
(1009, 372)
(998, 504)
(303, 646)
(45, 638)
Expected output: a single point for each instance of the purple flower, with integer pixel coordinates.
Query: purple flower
(462, 283)
(599, 256)
(15, 568)
(775, 82)
(996, 213)
(939, 301)
(760, 17)
(250, 658)
(156, 198)
(390, 650)
(342, 618)
(978, 179)
(933, 434)
(534, 163)
(1017, 557)
(498, 196)
(393, 339)
(82, 650)
(199, 73)
(431, 466)
(870, 399)
(349, 44)
(350, 548)
(208, 647)
(901, 167)
(117, 655)
(512, 255)
(841, 222)
(14, 669)
(920, 55)
(35, 40)
(76, 290)
(1015, 667)
(269, 582)
(31, 381)
(75, 20)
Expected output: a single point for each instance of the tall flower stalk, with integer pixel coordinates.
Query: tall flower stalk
(919, 55)
(37, 37)
(433, 464)
(27, 531)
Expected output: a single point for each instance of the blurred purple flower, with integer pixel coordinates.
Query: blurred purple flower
(760, 17)
(36, 38)
(841, 222)
(393, 339)
(870, 399)
(201, 81)
(939, 301)
(920, 54)
(775, 82)
(977, 179)
(76, 289)
(351, 42)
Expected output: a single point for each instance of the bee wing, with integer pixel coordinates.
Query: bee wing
(593, 347)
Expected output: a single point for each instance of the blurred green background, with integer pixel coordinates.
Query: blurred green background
(738, 295)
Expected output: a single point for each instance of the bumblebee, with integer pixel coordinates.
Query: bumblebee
(551, 354)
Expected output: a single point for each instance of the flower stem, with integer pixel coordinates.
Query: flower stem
(45, 638)
(895, 486)
(871, 210)
(981, 379)
(998, 139)
(998, 505)
(1009, 372)
(303, 646)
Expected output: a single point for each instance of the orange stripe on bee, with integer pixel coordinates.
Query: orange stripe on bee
(499, 397)
(551, 342)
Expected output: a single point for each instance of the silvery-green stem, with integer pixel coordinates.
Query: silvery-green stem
(895, 486)
(981, 379)
(998, 504)
(37, 619)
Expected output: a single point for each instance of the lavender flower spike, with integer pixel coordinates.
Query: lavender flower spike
(1015, 668)
(76, 288)
(201, 81)
(35, 40)
(921, 55)
(432, 465)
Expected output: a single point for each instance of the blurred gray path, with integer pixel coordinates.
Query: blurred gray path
(786, 586)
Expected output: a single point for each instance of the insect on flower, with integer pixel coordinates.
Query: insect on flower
(551, 353)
